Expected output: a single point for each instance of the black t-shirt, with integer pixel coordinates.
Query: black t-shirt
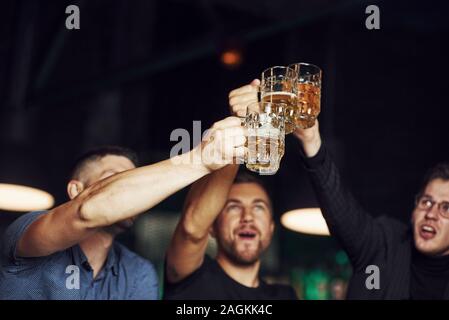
(210, 282)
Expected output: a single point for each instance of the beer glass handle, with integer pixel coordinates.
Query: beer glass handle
(259, 93)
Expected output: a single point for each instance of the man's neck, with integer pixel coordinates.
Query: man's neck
(96, 248)
(245, 275)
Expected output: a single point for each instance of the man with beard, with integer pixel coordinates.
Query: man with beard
(409, 261)
(238, 214)
(69, 252)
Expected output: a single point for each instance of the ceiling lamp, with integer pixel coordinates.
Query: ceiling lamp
(231, 58)
(23, 199)
(308, 221)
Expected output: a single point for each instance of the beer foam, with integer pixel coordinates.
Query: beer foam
(278, 93)
(265, 131)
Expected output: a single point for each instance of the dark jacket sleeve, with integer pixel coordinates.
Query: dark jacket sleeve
(360, 235)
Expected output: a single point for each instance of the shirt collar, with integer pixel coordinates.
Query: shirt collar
(112, 261)
(78, 256)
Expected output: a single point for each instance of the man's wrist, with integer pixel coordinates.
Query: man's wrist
(310, 140)
(315, 161)
(192, 160)
(312, 147)
(198, 161)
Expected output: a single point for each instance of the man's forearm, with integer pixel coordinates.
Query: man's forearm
(310, 140)
(312, 148)
(206, 199)
(135, 191)
(204, 202)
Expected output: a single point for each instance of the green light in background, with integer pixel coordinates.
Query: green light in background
(316, 285)
(341, 258)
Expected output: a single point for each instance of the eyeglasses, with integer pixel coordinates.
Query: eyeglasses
(427, 203)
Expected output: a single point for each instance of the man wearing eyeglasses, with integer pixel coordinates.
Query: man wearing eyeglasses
(390, 260)
(412, 260)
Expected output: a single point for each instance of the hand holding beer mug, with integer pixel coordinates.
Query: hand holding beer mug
(241, 97)
(308, 93)
(223, 144)
(278, 85)
(265, 124)
(294, 93)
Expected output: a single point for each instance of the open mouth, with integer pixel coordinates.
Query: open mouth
(247, 234)
(427, 232)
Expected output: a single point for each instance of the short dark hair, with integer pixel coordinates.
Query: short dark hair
(99, 153)
(246, 177)
(439, 171)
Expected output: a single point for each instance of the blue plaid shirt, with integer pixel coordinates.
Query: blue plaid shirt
(67, 275)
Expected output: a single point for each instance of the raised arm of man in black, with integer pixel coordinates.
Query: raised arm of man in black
(357, 231)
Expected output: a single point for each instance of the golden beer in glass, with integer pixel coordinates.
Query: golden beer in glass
(308, 94)
(265, 124)
(278, 85)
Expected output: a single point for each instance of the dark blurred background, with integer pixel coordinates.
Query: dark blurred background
(136, 70)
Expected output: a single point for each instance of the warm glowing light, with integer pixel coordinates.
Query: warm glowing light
(22, 198)
(231, 57)
(309, 221)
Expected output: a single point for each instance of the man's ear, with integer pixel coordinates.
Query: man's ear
(74, 188)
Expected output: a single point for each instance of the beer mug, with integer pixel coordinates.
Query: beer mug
(308, 94)
(265, 124)
(278, 85)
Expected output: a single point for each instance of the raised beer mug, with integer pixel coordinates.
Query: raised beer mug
(265, 124)
(278, 85)
(308, 94)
